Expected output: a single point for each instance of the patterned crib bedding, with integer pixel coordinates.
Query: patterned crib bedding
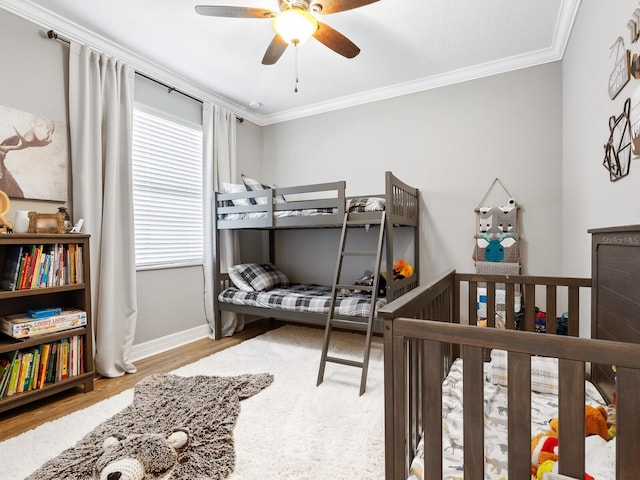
(353, 205)
(544, 406)
(303, 298)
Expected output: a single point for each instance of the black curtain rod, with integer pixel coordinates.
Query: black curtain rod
(54, 36)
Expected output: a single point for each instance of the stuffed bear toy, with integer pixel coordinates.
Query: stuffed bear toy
(544, 446)
(140, 457)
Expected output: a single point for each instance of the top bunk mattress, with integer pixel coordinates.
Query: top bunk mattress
(355, 205)
(253, 204)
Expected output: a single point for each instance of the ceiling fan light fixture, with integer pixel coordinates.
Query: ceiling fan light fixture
(295, 25)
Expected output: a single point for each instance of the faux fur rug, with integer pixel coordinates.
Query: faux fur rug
(203, 408)
(292, 430)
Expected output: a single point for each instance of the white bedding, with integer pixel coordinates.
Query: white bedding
(544, 406)
(369, 204)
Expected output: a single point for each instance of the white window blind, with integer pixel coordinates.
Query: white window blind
(167, 191)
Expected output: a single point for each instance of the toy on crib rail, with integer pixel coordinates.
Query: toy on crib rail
(401, 269)
(544, 446)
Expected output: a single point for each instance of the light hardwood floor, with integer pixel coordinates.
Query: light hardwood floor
(21, 419)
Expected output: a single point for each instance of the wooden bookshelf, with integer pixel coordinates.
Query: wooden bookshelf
(71, 295)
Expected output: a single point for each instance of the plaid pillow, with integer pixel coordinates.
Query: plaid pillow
(238, 280)
(544, 372)
(253, 185)
(262, 276)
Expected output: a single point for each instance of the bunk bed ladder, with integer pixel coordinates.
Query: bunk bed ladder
(337, 287)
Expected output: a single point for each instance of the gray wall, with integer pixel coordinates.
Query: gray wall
(449, 142)
(590, 199)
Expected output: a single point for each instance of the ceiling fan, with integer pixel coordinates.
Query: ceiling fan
(295, 23)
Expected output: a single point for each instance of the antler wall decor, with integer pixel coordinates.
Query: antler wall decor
(20, 142)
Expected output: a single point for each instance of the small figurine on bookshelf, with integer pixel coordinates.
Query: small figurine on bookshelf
(77, 228)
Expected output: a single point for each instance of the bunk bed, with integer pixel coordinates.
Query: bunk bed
(263, 207)
(429, 348)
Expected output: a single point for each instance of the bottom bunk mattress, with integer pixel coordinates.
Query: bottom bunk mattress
(303, 298)
(600, 455)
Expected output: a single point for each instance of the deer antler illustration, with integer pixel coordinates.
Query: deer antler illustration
(19, 142)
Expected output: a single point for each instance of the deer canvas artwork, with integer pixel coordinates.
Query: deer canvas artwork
(33, 156)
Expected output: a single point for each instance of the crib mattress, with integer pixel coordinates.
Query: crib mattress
(303, 298)
(544, 406)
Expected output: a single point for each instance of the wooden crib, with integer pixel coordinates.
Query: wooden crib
(423, 334)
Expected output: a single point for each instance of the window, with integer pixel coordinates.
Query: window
(167, 191)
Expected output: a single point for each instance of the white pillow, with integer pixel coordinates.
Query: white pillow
(544, 372)
(237, 188)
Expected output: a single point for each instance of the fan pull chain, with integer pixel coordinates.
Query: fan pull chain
(295, 89)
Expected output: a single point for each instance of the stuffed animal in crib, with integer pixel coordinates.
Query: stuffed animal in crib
(544, 446)
(140, 457)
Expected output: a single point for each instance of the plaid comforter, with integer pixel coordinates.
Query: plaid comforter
(303, 298)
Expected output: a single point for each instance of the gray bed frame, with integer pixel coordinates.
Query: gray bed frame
(402, 210)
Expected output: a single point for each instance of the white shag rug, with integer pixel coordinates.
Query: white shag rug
(290, 430)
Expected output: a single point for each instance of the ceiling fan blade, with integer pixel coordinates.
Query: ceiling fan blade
(274, 51)
(336, 41)
(326, 7)
(234, 12)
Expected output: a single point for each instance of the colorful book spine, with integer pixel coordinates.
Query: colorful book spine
(15, 373)
(44, 363)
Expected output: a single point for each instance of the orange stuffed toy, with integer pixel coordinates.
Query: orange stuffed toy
(401, 269)
(544, 446)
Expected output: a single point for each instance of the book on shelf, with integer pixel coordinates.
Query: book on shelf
(21, 325)
(13, 376)
(33, 368)
(44, 312)
(38, 266)
(6, 361)
(11, 268)
(25, 369)
(44, 364)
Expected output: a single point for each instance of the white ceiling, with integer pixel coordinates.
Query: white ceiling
(406, 46)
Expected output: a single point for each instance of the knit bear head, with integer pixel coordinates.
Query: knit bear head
(146, 456)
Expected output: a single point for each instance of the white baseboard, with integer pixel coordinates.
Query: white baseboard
(159, 345)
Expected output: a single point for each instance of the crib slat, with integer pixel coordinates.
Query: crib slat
(473, 300)
(400, 430)
(473, 407)
(571, 417)
(529, 307)
(574, 312)
(628, 407)
(432, 408)
(551, 309)
(491, 304)
(510, 306)
(519, 415)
